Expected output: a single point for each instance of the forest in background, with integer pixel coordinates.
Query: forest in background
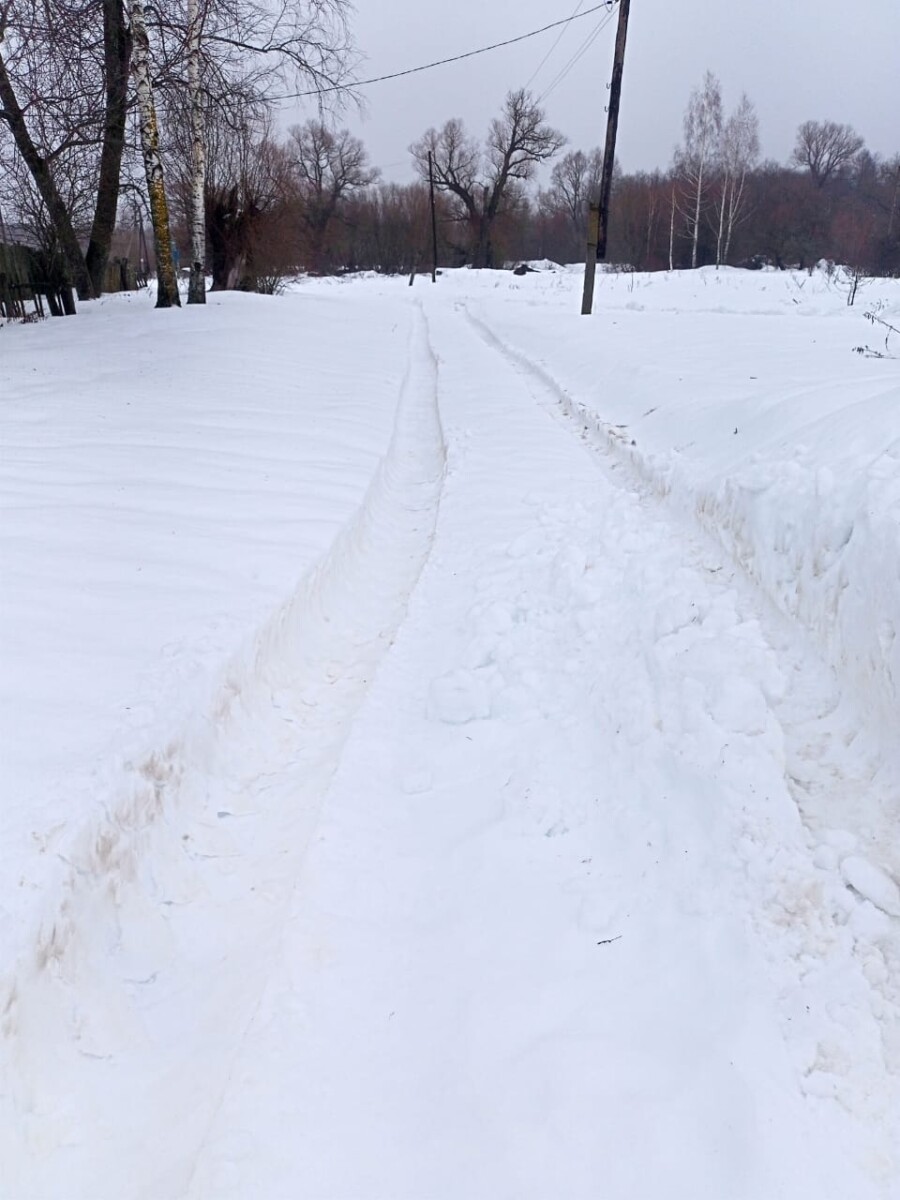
(116, 120)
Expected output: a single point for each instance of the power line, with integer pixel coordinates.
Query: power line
(442, 62)
(579, 53)
(556, 42)
(576, 58)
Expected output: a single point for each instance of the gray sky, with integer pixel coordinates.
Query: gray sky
(796, 59)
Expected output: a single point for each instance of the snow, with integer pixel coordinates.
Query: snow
(872, 883)
(443, 758)
(786, 448)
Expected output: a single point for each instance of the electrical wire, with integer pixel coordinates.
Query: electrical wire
(556, 41)
(576, 57)
(442, 62)
(579, 54)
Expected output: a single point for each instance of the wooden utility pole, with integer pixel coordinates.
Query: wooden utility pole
(433, 218)
(599, 216)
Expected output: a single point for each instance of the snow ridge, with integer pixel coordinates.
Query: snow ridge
(829, 572)
(835, 922)
(120, 981)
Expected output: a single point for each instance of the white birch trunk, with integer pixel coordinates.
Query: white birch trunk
(735, 204)
(696, 219)
(197, 282)
(672, 233)
(167, 283)
(720, 231)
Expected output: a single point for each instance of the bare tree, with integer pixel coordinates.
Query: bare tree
(50, 112)
(641, 204)
(738, 152)
(388, 227)
(330, 165)
(197, 206)
(573, 181)
(166, 279)
(891, 171)
(249, 182)
(483, 182)
(117, 48)
(695, 159)
(824, 147)
(64, 73)
(238, 52)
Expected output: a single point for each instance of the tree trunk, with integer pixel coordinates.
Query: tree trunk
(166, 281)
(218, 245)
(482, 250)
(652, 215)
(893, 213)
(197, 282)
(672, 232)
(56, 210)
(225, 242)
(733, 206)
(696, 230)
(117, 63)
(720, 232)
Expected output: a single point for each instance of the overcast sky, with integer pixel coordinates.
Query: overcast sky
(796, 59)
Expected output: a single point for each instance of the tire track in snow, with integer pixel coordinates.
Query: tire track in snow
(542, 776)
(847, 796)
(146, 969)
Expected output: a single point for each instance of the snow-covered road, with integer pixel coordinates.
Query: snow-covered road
(525, 853)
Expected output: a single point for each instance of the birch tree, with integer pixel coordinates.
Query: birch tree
(695, 159)
(239, 53)
(738, 153)
(197, 206)
(166, 280)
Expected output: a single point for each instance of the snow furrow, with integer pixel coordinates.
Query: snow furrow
(148, 964)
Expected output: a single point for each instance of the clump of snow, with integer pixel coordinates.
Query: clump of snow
(872, 883)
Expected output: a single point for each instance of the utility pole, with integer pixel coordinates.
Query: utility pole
(599, 215)
(433, 218)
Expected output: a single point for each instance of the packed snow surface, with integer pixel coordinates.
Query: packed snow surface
(450, 744)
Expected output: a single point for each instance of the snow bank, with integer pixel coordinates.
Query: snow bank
(772, 431)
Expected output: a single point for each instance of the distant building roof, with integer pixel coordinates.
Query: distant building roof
(18, 235)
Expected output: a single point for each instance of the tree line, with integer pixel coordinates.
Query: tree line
(717, 202)
(115, 114)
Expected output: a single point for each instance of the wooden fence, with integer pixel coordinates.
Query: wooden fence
(29, 284)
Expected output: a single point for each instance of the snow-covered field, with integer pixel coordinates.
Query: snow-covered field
(449, 744)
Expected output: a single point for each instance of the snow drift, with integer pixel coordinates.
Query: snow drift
(782, 441)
